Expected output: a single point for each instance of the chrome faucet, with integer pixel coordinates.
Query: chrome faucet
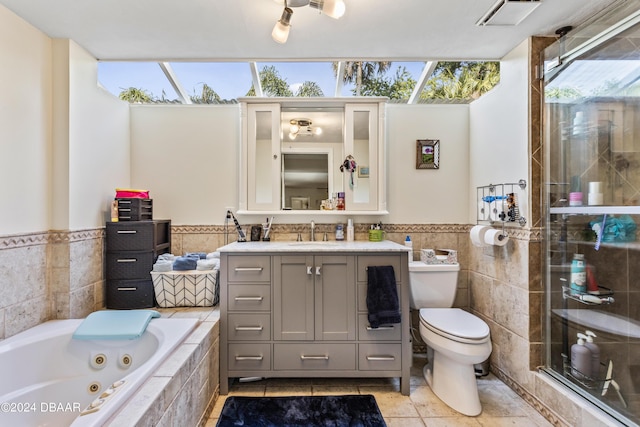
(313, 231)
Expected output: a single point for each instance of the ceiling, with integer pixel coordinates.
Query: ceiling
(173, 30)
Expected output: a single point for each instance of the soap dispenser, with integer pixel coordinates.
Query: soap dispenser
(595, 354)
(580, 359)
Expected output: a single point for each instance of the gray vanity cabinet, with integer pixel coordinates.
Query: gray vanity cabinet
(314, 298)
(291, 313)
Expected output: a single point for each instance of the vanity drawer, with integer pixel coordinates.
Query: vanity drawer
(249, 357)
(314, 356)
(249, 268)
(365, 261)
(249, 327)
(362, 296)
(383, 333)
(249, 298)
(379, 357)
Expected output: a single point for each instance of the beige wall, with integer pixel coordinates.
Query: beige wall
(25, 125)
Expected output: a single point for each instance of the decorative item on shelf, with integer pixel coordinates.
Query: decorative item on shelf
(427, 154)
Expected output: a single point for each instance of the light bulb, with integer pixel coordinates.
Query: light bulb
(334, 8)
(294, 129)
(280, 32)
(317, 131)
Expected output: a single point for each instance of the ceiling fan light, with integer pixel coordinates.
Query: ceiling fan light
(317, 131)
(294, 128)
(280, 31)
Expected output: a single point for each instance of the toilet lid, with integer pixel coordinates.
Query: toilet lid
(455, 322)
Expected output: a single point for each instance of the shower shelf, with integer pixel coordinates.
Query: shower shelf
(605, 293)
(586, 381)
(508, 193)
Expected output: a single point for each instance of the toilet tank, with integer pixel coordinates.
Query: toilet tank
(432, 285)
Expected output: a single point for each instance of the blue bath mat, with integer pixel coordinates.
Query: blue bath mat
(301, 411)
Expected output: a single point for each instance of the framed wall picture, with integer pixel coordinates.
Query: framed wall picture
(363, 171)
(427, 154)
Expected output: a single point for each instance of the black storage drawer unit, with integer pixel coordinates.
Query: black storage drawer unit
(135, 209)
(139, 236)
(132, 248)
(130, 264)
(130, 294)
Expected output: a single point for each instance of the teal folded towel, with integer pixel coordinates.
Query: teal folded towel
(114, 325)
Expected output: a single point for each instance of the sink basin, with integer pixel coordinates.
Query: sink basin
(312, 244)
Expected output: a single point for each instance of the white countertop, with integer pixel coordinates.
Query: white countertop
(330, 246)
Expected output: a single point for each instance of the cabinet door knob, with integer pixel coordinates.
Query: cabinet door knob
(318, 271)
(309, 270)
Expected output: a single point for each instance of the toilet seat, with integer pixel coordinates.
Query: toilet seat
(455, 324)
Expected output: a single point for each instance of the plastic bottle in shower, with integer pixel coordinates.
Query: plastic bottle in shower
(580, 359)
(595, 354)
(578, 275)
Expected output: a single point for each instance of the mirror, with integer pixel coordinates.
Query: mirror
(311, 144)
(305, 180)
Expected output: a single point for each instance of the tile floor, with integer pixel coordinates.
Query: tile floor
(501, 405)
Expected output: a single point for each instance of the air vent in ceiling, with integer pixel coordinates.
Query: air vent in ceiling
(508, 12)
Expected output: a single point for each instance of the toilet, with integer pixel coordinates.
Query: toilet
(456, 340)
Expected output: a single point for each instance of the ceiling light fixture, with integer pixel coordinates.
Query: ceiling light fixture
(332, 8)
(302, 127)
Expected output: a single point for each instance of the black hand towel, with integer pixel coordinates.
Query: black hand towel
(382, 296)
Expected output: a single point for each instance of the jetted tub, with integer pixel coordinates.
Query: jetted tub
(48, 378)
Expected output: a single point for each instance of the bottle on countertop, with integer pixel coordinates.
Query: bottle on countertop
(350, 231)
(580, 359)
(339, 232)
(595, 354)
(340, 203)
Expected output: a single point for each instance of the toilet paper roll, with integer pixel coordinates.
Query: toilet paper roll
(483, 211)
(477, 234)
(495, 238)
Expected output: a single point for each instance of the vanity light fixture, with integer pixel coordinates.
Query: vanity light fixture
(333, 8)
(302, 127)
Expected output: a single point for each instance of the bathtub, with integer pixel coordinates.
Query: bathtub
(50, 379)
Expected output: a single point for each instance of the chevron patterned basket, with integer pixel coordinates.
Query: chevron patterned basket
(186, 289)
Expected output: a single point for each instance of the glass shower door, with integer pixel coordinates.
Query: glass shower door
(592, 203)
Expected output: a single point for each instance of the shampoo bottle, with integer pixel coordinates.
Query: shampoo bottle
(595, 354)
(580, 359)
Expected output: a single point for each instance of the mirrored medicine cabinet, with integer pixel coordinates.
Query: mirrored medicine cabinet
(298, 154)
